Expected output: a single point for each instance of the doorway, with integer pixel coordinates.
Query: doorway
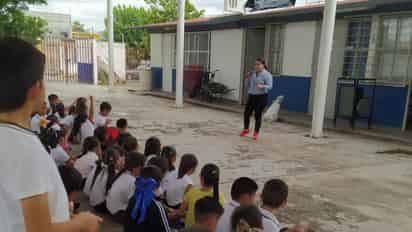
(254, 48)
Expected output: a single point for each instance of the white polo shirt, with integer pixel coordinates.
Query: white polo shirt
(175, 188)
(86, 130)
(97, 193)
(121, 191)
(86, 163)
(270, 223)
(224, 224)
(28, 172)
(100, 120)
(59, 155)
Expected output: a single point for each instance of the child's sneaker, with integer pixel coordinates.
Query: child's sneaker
(255, 136)
(244, 132)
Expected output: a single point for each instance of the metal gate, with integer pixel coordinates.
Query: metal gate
(69, 60)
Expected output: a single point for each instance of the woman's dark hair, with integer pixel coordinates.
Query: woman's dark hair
(152, 147)
(262, 61)
(250, 215)
(72, 179)
(61, 111)
(130, 144)
(110, 158)
(152, 172)
(78, 122)
(170, 154)
(187, 163)
(101, 134)
(133, 160)
(89, 144)
(159, 162)
(210, 174)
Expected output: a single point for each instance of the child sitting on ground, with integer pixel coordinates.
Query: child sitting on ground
(122, 128)
(274, 198)
(207, 214)
(243, 192)
(246, 218)
(130, 144)
(101, 134)
(122, 188)
(145, 211)
(91, 153)
(209, 181)
(170, 154)
(58, 153)
(101, 177)
(101, 118)
(153, 147)
(53, 101)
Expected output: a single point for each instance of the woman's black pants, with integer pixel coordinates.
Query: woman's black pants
(255, 104)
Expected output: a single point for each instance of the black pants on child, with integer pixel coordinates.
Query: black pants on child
(255, 104)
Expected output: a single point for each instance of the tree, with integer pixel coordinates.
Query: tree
(14, 23)
(78, 27)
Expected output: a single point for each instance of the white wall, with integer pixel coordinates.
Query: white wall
(58, 25)
(299, 43)
(119, 57)
(167, 53)
(226, 55)
(156, 50)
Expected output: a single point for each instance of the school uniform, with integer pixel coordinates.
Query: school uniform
(155, 218)
(67, 121)
(86, 130)
(269, 221)
(100, 120)
(97, 190)
(59, 155)
(35, 123)
(175, 188)
(29, 172)
(224, 224)
(120, 193)
(86, 163)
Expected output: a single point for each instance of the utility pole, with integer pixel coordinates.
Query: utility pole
(110, 42)
(180, 49)
(325, 51)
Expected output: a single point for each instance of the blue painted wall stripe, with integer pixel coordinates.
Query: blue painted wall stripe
(157, 78)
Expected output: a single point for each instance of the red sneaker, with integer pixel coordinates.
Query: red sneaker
(255, 136)
(244, 132)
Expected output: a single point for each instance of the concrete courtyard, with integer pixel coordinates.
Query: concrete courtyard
(340, 183)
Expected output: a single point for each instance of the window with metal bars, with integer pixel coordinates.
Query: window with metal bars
(197, 49)
(274, 57)
(394, 51)
(357, 48)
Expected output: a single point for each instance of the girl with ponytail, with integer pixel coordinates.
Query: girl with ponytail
(98, 181)
(209, 181)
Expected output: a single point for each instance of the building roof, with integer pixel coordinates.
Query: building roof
(286, 14)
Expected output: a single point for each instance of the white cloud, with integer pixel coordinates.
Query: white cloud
(92, 12)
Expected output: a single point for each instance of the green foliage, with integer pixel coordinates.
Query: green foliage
(78, 27)
(127, 18)
(14, 23)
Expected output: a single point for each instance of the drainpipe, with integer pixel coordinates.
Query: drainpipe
(326, 42)
(180, 42)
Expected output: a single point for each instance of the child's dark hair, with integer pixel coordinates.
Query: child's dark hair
(133, 160)
(122, 123)
(262, 61)
(81, 106)
(60, 110)
(72, 179)
(247, 214)
(210, 174)
(89, 144)
(243, 185)
(152, 172)
(101, 134)
(110, 157)
(152, 147)
(206, 207)
(187, 163)
(130, 144)
(105, 106)
(52, 97)
(170, 154)
(275, 193)
(159, 162)
(78, 122)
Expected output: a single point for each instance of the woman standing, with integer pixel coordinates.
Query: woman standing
(260, 83)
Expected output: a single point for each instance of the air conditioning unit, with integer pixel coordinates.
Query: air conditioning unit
(235, 5)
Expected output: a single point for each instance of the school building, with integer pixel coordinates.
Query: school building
(373, 39)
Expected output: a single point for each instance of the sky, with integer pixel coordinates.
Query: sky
(92, 12)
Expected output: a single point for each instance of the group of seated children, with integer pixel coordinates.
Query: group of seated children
(146, 192)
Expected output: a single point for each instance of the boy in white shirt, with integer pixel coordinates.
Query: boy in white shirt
(274, 198)
(243, 193)
(101, 118)
(36, 198)
(35, 122)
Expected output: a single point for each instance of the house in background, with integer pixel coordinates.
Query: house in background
(58, 25)
(373, 39)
